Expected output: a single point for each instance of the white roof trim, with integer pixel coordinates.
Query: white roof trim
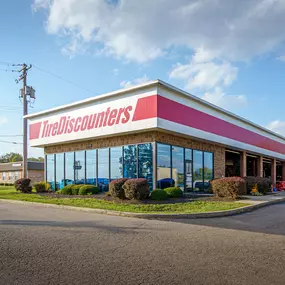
(149, 84)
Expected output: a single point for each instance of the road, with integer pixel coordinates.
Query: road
(40, 245)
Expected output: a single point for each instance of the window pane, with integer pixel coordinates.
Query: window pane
(208, 169)
(59, 175)
(91, 167)
(79, 166)
(198, 170)
(69, 168)
(178, 166)
(116, 163)
(103, 169)
(145, 162)
(188, 169)
(163, 166)
(130, 161)
(50, 171)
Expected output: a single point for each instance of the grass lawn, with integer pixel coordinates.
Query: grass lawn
(186, 208)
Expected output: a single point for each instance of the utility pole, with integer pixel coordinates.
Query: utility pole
(23, 95)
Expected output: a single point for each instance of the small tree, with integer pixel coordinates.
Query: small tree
(23, 185)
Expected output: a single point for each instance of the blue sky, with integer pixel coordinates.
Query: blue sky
(231, 54)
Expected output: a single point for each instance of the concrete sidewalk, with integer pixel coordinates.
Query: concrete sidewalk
(255, 200)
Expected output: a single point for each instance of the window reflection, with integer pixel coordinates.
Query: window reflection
(145, 162)
(59, 175)
(50, 171)
(103, 169)
(69, 168)
(116, 163)
(208, 170)
(198, 170)
(178, 166)
(163, 166)
(130, 161)
(79, 167)
(91, 167)
(188, 169)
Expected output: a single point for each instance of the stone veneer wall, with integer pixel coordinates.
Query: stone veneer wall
(143, 137)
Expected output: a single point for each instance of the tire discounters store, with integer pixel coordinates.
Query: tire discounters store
(154, 131)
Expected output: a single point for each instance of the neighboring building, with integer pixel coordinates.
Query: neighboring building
(155, 131)
(10, 172)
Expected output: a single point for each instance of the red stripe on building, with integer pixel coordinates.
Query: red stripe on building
(146, 108)
(35, 130)
(187, 116)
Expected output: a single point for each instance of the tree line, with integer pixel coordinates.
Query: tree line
(15, 157)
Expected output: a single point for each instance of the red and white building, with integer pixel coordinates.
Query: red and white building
(156, 131)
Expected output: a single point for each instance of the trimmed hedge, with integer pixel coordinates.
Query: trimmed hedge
(158, 195)
(42, 187)
(23, 185)
(75, 189)
(66, 190)
(263, 184)
(229, 187)
(136, 189)
(116, 188)
(88, 190)
(173, 192)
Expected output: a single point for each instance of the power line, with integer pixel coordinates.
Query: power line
(63, 79)
(11, 142)
(6, 136)
(7, 70)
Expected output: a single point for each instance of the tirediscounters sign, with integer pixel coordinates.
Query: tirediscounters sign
(93, 120)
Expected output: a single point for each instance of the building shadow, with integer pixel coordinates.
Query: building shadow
(91, 225)
(267, 220)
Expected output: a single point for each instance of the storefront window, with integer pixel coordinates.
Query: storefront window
(69, 168)
(59, 168)
(103, 169)
(198, 170)
(130, 161)
(91, 167)
(50, 171)
(116, 162)
(163, 166)
(208, 169)
(79, 166)
(188, 169)
(178, 166)
(145, 163)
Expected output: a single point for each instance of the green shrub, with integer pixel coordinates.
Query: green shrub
(263, 184)
(229, 187)
(173, 192)
(23, 185)
(42, 187)
(137, 189)
(116, 188)
(75, 189)
(88, 190)
(158, 195)
(66, 190)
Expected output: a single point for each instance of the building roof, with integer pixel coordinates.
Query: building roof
(147, 85)
(18, 166)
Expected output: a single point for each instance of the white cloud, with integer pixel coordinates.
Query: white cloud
(116, 71)
(204, 75)
(127, 84)
(229, 102)
(282, 57)
(135, 30)
(277, 126)
(3, 120)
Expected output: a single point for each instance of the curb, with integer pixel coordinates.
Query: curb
(217, 214)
